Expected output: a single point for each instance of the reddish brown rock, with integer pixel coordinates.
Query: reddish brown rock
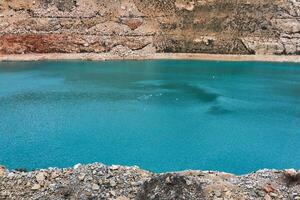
(132, 23)
(268, 188)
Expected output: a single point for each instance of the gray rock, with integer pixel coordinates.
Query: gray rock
(95, 187)
(40, 177)
(112, 183)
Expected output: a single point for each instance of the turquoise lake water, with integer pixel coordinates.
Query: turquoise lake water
(160, 115)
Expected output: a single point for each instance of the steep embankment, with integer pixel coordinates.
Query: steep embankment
(149, 26)
(97, 181)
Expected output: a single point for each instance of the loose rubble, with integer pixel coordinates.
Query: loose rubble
(98, 181)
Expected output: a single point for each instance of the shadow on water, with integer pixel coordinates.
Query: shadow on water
(167, 91)
(218, 110)
(179, 90)
(194, 92)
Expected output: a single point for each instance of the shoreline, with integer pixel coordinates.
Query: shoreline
(156, 56)
(99, 181)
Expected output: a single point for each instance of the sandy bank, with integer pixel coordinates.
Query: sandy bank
(157, 56)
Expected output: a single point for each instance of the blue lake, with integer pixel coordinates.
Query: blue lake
(160, 115)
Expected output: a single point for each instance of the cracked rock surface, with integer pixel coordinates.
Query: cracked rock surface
(150, 26)
(98, 181)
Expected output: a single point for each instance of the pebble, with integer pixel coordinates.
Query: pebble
(168, 180)
(188, 182)
(113, 193)
(268, 188)
(40, 177)
(122, 198)
(218, 193)
(81, 177)
(267, 197)
(77, 166)
(36, 187)
(138, 183)
(260, 193)
(95, 187)
(54, 175)
(272, 194)
(112, 183)
(114, 167)
(4, 193)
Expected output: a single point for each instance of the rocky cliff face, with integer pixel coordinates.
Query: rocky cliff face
(149, 26)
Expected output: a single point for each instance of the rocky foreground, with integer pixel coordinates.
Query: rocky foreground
(97, 181)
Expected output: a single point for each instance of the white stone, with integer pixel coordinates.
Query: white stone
(114, 167)
(272, 194)
(113, 193)
(40, 177)
(122, 198)
(77, 166)
(81, 177)
(95, 187)
(36, 187)
(112, 183)
(54, 175)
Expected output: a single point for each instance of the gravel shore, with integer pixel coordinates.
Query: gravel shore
(98, 181)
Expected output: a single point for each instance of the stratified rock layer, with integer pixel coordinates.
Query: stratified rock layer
(97, 181)
(185, 26)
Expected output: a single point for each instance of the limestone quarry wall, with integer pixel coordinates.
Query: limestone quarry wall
(150, 26)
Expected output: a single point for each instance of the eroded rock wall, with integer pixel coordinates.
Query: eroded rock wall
(185, 26)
